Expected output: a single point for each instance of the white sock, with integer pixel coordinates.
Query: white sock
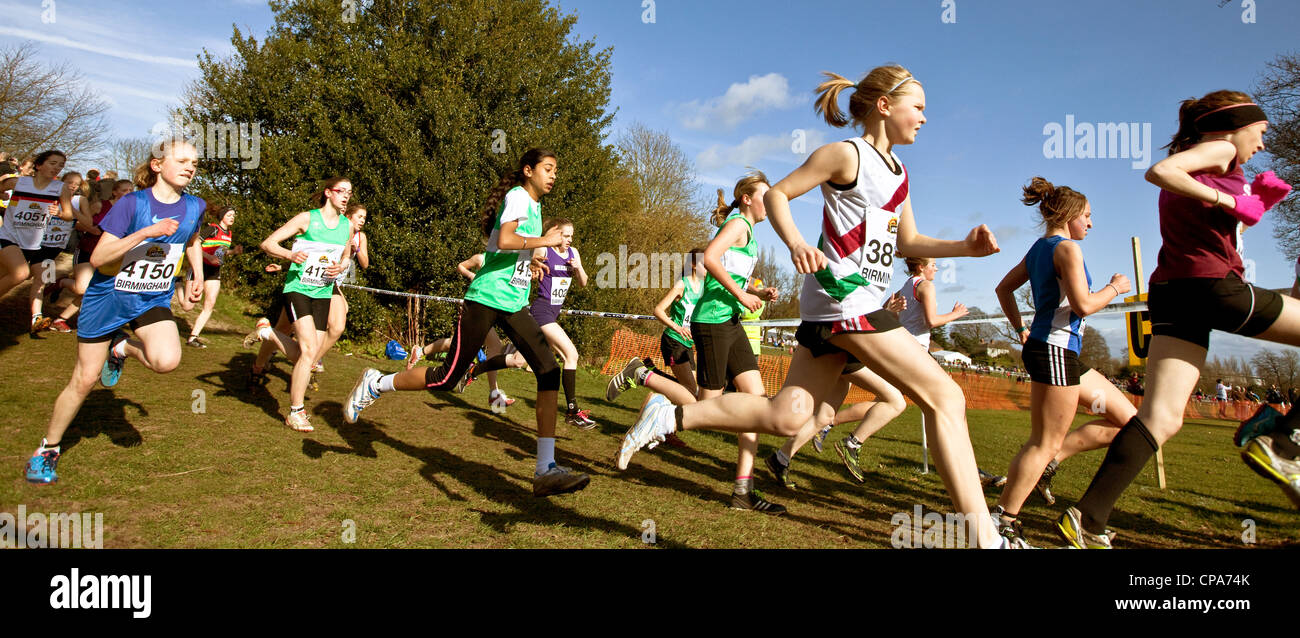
(385, 384)
(264, 333)
(989, 538)
(46, 446)
(295, 408)
(545, 453)
(120, 349)
(495, 393)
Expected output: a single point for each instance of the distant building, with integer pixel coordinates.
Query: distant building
(948, 357)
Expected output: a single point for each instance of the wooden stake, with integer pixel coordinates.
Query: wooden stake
(1139, 286)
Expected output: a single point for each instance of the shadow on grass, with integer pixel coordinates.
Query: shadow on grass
(488, 481)
(104, 413)
(232, 381)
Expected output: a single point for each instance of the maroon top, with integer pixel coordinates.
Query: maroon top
(1200, 239)
(88, 240)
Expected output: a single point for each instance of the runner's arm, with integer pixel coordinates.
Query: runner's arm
(296, 226)
(1006, 292)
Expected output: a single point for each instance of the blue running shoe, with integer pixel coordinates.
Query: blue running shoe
(820, 439)
(653, 425)
(1264, 421)
(41, 468)
(112, 370)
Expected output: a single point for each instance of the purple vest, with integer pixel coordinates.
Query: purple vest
(554, 286)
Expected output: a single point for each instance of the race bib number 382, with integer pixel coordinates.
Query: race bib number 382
(149, 267)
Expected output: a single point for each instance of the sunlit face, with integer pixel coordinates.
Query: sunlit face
(566, 237)
(1248, 140)
(178, 166)
(73, 182)
(753, 202)
(120, 191)
(358, 218)
(929, 270)
(228, 219)
(52, 167)
(339, 194)
(1078, 227)
(906, 114)
(542, 176)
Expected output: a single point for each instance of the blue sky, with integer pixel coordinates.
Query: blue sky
(732, 82)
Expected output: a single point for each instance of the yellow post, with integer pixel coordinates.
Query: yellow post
(1143, 328)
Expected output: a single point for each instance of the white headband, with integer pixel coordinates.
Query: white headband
(898, 85)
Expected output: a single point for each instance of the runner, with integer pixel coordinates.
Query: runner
(1063, 297)
(867, 212)
(561, 267)
(215, 238)
(131, 286)
(58, 236)
(360, 249)
(1196, 288)
(96, 206)
(35, 199)
(321, 244)
(498, 295)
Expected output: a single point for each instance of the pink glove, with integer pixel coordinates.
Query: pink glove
(1247, 209)
(1269, 188)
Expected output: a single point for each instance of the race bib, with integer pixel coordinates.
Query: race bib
(522, 276)
(560, 290)
(319, 258)
(57, 233)
(877, 258)
(738, 263)
(149, 267)
(27, 221)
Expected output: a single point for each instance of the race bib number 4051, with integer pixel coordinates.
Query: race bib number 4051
(149, 267)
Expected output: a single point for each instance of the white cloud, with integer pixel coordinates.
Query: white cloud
(756, 148)
(740, 102)
(101, 50)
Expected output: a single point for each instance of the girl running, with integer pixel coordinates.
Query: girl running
(93, 206)
(498, 295)
(55, 241)
(1063, 297)
(321, 241)
(867, 213)
(562, 267)
(35, 199)
(145, 237)
(359, 246)
(497, 399)
(1196, 288)
(215, 241)
(674, 311)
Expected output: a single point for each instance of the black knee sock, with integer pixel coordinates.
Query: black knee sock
(569, 379)
(1125, 458)
(490, 364)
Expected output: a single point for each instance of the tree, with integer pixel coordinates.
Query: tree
(976, 334)
(1278, 93)
(44, 107)
(772, 269)
(1093, 351)
(1277, 367)
(423, 105)
(124, 154)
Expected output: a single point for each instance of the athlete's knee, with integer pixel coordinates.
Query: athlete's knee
(164, 362)
(792, 413)
(21, 273)
(548, 380)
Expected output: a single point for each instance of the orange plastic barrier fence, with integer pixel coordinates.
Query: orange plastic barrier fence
(995, 391)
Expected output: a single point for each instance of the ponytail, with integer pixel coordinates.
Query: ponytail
(1059, 205)
(882, 81)
(530, 159)
(746, 186)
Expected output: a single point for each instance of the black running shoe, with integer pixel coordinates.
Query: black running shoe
(782, 472)
(754, 501)
(1044, 485)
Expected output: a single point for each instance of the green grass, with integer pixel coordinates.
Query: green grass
(423, 470)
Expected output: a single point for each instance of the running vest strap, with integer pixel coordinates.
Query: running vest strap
(859, 235)
(28, 212)
(913, 316)
(681, 310)
(504, 280)
(1054, 321)
(716, 305)
(216, 241)
(323, 246)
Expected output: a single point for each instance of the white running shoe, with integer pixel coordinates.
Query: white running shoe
(498, 401)
(653, 425)
(362, 396)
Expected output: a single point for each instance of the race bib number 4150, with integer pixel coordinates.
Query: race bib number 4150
(149, 267)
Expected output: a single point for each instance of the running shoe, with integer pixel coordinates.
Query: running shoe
(467, 379)
(1013, 534)
(59, 325)
(1267, 458)
(753, 501)
(624, 380)
(362, 396)
(820, 438)
(253, 337)
(850, 458)
(39, 323)
(558, 480)
(992, 480)
(414, 356)
(317, 368)
(1044, 485)
(1262, 422)
(580, 418)
(1071, 529)
(256, 378)
(41, 467)
(298, 421)
(498, 401)
(112, 370)
(652, 426)
(194, 342)
(782, 472)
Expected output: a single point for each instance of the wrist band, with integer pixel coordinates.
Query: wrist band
(1216, 197)
(1116, 289)
(1022, 329)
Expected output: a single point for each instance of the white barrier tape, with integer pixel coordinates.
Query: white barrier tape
(1115, 309)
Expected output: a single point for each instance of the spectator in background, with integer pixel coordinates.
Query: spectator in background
(92, 175)
(1275, 396)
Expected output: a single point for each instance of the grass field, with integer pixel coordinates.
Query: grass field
(421, 470)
